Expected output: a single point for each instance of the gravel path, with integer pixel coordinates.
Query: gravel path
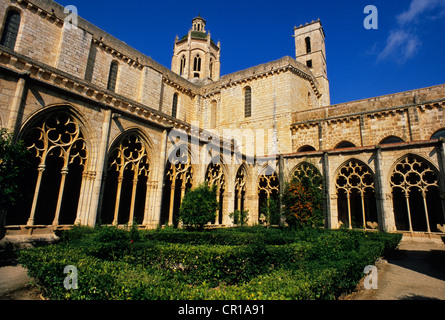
(416, 271)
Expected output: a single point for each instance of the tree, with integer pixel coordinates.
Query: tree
(240, 218)
(303, 203)
(13, 163)
(199, 206)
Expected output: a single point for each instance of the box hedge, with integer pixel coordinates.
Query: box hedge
(229, 264)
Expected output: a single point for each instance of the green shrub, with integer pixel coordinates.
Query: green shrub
(240, 218)
(199, 206)
(257, 263)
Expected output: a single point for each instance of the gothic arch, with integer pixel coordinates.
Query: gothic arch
(60, 157)
(438, 133)
(215, 176)
(240, 187)
(356, 201)
(391, 139)
(129, 166)
(268, 193)
(415, 189)
(306, 170)
(178, 179)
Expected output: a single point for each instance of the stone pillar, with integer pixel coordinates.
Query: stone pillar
(385, 212)
(441, 152)
(96, 198)
(14, 110)
(156, 218)
(327, 193)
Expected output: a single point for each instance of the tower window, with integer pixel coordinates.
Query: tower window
(197, 63)
(112, 77)
(309, 63)
(175, 105)
(247, 102)
(308, 45)
(10, 29)
(182, 67)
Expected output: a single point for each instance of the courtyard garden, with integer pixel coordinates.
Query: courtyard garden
(240, 263)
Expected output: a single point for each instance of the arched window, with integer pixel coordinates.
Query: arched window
(308, 45)
(112, 77)
(306, 149)
(344, 145)
(307, 171)
(240, 189)
(438, 134)
(197, 66)
(178, 180)
(215, 177)
(182, 66)
(356, 196)
(268, 195)
(247, 102)
(211, 67)
(126, 183)
(58, 156)
(10, 29)
(390, 140)
(175, 105)
(416, 196)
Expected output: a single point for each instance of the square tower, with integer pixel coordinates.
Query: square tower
(310, 50)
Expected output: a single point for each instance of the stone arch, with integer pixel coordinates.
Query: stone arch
(60, 157)
(306, 148)
(129, 166)
(215, 176)
(178, 179)
(268, 193)
(438, 134)
(415, 190)
(391, 139)
(356, 201)
(344, 144)
(240, 187)
(306, 170)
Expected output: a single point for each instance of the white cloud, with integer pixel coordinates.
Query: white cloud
(403, 43)
(400, 45)
(416, 8)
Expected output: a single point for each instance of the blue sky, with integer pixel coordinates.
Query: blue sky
(406, 52)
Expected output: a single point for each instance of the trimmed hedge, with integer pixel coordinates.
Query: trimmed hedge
(248, 264)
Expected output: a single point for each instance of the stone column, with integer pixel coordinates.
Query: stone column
(385, 212)
(40, 169)
(14, 110)
(96, 197)
(441, 152)
(327, 193)
(60, 197)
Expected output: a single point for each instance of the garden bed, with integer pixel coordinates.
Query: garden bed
(235, 264)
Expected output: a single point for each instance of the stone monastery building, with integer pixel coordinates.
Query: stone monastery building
(115, 137)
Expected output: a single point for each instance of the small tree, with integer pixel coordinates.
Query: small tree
(199, 206)
(303, 203)
(240, 218)
(13, 163)
(270, 209)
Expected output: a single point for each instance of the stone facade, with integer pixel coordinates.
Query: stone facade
(129, 152)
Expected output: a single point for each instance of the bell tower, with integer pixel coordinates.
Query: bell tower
(195, 55)
(310, 50)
